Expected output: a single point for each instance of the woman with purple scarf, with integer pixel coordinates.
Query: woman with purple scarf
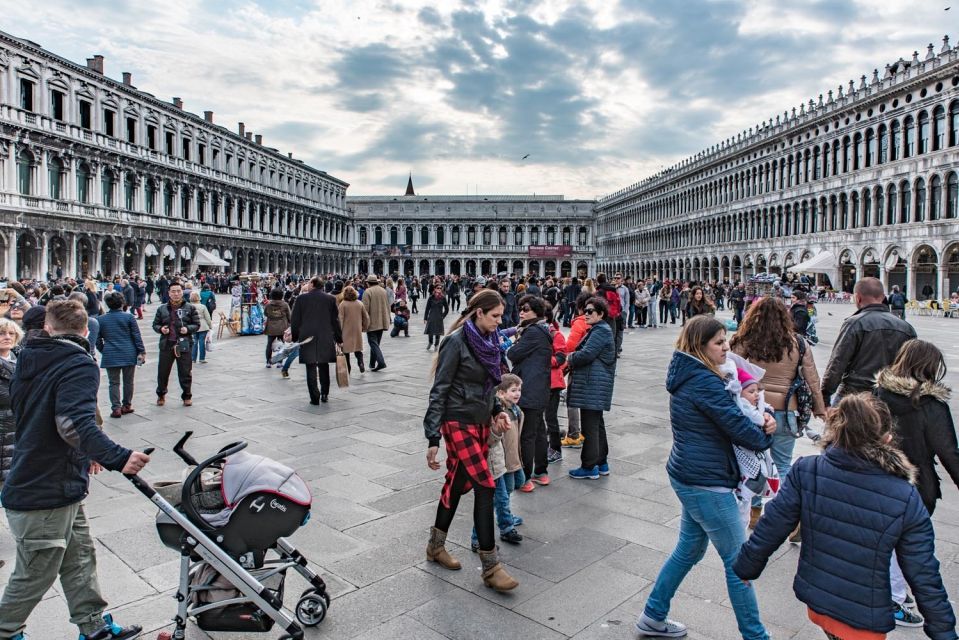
(463, 409)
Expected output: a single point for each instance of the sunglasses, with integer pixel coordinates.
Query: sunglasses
(525, 308)
(590, 310)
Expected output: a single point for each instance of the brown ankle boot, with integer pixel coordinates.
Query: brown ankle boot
(436, 550)
(494, 573)
(754, 514)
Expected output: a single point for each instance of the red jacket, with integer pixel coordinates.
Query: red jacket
(557, 375)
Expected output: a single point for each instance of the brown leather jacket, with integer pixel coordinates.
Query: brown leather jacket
(780, 375)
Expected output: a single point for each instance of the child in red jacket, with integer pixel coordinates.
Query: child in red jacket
(557, 382)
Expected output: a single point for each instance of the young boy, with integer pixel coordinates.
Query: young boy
(505, 463)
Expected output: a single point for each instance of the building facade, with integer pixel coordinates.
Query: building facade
(472, 235)
(97, 176)
(868, 174)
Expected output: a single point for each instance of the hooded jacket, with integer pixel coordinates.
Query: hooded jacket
(54, 399)
(924, 432)
(855, 510)
(706, 423)
(7, 425)
(593, 364)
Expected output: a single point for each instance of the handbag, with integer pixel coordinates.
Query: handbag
(800, 388)
(342, 371)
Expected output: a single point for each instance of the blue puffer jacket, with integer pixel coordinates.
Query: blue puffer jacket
(119, 340)
(706, 422)
(854, 512)
(594, 369)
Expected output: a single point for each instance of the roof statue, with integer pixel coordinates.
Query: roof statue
(409, 187)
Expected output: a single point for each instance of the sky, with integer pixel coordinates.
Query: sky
(579, 98)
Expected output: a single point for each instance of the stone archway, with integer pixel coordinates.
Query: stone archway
(108, 257)
(28, 262)
(925, 273)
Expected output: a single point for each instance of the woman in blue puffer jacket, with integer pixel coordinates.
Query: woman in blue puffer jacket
(706, 423)
(857, 504)
(120, 343)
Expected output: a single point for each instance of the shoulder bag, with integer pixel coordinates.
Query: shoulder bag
(800, 389)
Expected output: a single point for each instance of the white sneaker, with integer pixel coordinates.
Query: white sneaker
(648, 627)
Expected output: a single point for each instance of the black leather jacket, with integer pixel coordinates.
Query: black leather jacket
(188, 318)
(8, 426)
(458, 389)
(868, 341)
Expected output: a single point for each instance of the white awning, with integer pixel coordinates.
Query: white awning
(227, 255)
(169, 252)
(823, 262)
(206, 259)
(185, 253)
(215, 252)
(150, 250)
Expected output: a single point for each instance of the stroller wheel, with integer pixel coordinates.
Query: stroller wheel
(324, 594)
(311, 610)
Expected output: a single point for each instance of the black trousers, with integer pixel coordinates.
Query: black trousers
(552, 421)
(533, 442)
(482, 510)
(184, 371)
(359, 360)
(376, 353)
(269, 346)
(663, 311)
(323, 369)
(642, 314)
(595, 449)
(413, 308)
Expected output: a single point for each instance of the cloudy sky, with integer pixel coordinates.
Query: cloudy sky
(599, 93)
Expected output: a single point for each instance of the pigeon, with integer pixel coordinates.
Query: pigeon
(524, 157)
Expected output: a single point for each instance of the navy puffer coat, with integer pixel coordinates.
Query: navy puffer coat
(531, 357)
(854, 512)
(706, 422)
(594, 368)
(119, 339)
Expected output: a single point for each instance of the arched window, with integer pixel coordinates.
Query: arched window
(377, 235)
(952, 195)
(909, 138)
(83, 183)
(567, 236)
(870, 148)
(25, 172)
(409, 235)
(108, 180)
(55, 176)
(816, 164)
(550, 235)
(534, 235)
(455, 235)
(939, 129)
(441, 235)
(857, 155)
(905, 200)
(583, 236)
(920, 207)
(891, 205)
(924, 132)
(883, 144)
(364, 236)
(935, 209)
(424, 235)
(129, 191)
(167, 199)
(836, 158)
(518, 235)
(846, 155)
(503, 236)
(954, 124)
(825, 161)
(880, 202)
(487, 236)
(186, 196)
(394, 236)
(866, 208)
(895, 131)
(854, 220)
(149, 196)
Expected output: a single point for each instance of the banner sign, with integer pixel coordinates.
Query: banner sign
(391, 250)
(550, 251)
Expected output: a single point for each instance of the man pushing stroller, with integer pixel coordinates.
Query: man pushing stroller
(57, 445)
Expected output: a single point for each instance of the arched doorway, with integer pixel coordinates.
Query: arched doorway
(471, 267)
(550, 267)
(761, 265)
(108, 258)
(952, 268)
(151, 253)
(363, 266)
(518, 267)
(27, 261)
(440, 268)
(566, 269)
(925, 268)
(847, 271)
(582, 269)
(394, 266)
(186, 257)
(895, 265)
(169, 259)
(130, 257)
(424, 267)
(57, 256)
(84, 256)
(378, 266)
(534, 267)
(455, 268)
(869, 266)
(486, 268)
(408, 267)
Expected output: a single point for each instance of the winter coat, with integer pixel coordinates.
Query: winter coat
(510, 311)
(868, 341)
(130, 295)
(7, 423)
(93, 304)
(54, 398)
(855, 510)
(511, 446)
(141, 293)
(706, 422)
(531, 356)
(206, 322)
(923, 432)
(780, 375)
(354, 321)
(187, 317)
(434, 314)
(119, 340)
(577, 331)
(315, 315)
(800, 315)
(593, 364)
(378, 307)
(277, 314)
(557, 378)
(459, 388)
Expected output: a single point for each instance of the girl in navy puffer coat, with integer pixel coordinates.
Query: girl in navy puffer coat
(857, 504)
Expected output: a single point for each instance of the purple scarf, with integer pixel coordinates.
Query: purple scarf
(486, 350)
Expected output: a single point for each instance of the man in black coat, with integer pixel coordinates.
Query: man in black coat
(316, 316)
(177, 322)
(799, 312)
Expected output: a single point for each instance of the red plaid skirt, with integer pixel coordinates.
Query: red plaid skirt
(466, 444)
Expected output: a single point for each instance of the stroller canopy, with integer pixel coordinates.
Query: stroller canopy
(245, 473)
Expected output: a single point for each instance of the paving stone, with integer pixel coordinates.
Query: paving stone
(341, 513)
(401, 628)
(420, 494)
(470, 578)
(577, 550)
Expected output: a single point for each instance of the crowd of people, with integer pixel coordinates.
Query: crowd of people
(518, 350)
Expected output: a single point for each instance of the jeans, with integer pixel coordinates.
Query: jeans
(184, 371)
(707, 516)
(652, 317)
(738, 312)
(290, 358)
(782, 448)
(552, 421)
(376, 354)
(632, 316)
(595, 448)
(199, 346)
(673, 310)
(533, 442)
(400, 324)
(114, 374)
(641, 313)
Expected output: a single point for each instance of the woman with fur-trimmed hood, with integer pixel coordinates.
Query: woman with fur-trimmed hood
(918, 401)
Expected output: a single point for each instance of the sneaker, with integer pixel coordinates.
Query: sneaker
(512, 536)
(517, 521)
(646, 626)
(604, 469)
(269, 366)
(285, 373)
(553, 456)
(113, 631)
(910, 602)
(584, 474)
(541, 479)
(528, 487)
(574, 443)
(906, 618)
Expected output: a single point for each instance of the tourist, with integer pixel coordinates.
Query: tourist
(462, 409)
(10, 336)
(868, 341)
(93, 302)
(378, 307)
(150, 288)
(665, 294)
(198, 348)
(641, 302)
(857, 505)
(177, 321)
(574, 437)
(122, 350)
(401, 319)
(699, 304)
(530, 356)
(354, 321)
(593, 367)
(614, 303)
(277, 315)
(510, 313)
(766, 339)
(414, 297)
(737, 298)
(684, 298)
(702, 468)
(897, 302)
(434, 315)
(315, 316)
(453, 293)
(557, 382)
(799, 312)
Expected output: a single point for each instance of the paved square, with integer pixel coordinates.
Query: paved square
(591, 552)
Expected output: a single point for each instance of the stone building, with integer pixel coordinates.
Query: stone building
(98, 176)
(863, 180)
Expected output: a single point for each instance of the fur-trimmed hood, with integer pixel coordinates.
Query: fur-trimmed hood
(903, 386)
(889, 459)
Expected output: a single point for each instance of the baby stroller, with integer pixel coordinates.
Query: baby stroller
(230, 511)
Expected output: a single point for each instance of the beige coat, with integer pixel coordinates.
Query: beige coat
(354, 321)
(780, 375)
(377, 305)
(511, 444)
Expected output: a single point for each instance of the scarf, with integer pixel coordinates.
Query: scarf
(486, 350)
(174, 322)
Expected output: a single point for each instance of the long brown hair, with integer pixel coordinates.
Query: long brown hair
(766, 334)
(696, 335)
(860, 422)
(920, 360)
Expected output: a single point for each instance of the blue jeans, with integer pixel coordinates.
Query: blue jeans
(505, 485)
(783, 444)
(708, 516)
(290, 358)
(199, 345)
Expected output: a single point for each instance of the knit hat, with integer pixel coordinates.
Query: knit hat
(745, 379)
(34, 318)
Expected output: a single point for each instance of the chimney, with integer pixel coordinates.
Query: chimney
(242, 130)
(249, 135)
(95, 63)
(177, 103)
(208, 116)
(290, 155)
(259, 139)
(128, 78)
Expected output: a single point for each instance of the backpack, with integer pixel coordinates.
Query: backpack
(800, 388)
(615, 304)
(211, 304)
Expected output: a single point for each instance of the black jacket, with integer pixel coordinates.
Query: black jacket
(531, 357)
(510, 311)
(54, 399)
(433, 315)
(458, 392)
(315, 315)
(7, 424)
(924, 432)
(188, 317)
(868, 341)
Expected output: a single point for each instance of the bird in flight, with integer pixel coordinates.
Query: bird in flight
(524, 157)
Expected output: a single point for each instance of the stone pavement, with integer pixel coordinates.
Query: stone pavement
(591, 551)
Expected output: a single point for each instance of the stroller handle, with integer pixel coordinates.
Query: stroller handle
(185, 501)
(180, 451)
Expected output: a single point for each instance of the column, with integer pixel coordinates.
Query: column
(44, 249)
(911, 292)
(884, 277)
(70, 268)
(96, 188)
(12, 255)
(43, 179)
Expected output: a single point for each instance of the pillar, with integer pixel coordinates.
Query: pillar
(44, 247)
(884, 277)
(12, 255)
